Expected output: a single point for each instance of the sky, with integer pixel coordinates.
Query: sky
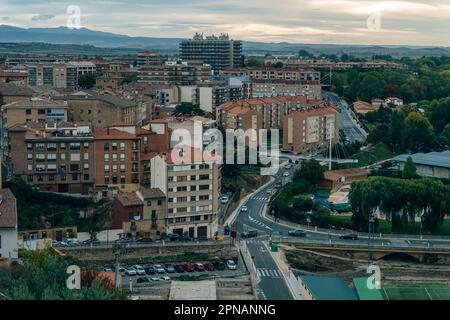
(296, 21)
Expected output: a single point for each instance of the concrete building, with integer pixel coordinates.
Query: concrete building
(34, 110)
(101, 108)
(117, 165)
(433, 164)
(19, 77)
(183, 73)
(272, 109)
(54, 157)
(11, 92)
(148, 58)
(8, 225)
(363, 107)
(310, 130)
(220, 52)
(298, 75)
(192, 189)
(269, 88)
(53, 75)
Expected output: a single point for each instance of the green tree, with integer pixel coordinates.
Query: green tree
(419, 133)
(87, 81)
(188, 108)
(278, 64)
(311, 171)
(372, 86)
(409, 170)
(397, 133)
(407, 94)
(303, 204)
(254, 62)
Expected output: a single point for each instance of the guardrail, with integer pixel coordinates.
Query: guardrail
(249, 264)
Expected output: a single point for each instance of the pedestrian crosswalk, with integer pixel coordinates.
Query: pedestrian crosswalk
(269, 273)
(260, 198)
(259, 223)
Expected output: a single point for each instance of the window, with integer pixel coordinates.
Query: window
(30, 167)
(106, 157)
(106, 167)
(51, 156)
(63, 156)
(122, 168)
(114, 157)
(122, 157)
(193, 198)
(180, 219)
(106, 179)
(193, 178)
(149, 203)
(74, 167)
(75, 157)
(195, 218)
(51, 167)
(114, 146)
(86, 177)
(170, 200)
(86, 156)
(106, 146)
(122, 146)
(204, 187)
(122, 179)
(62, 145)
(181, 199)
(114, 180)
(86, 166)
(181, 178)
(75, 146)
(204, 177)
(51, 177)
(159, 202)
(30, 178)
(30, 156)
(114, 168)
(203, 198)
(181, 189)
(86, 145)
(28, 111)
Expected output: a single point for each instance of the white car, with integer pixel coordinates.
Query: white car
(159, 268)
(286, 174)
(165, 278)
(139, 269)
(269, 191)
(155, 279)
(244, 209)
(224, 200)
(130, 271)
(231, 265)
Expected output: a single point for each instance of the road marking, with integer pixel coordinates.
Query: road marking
(268, 273)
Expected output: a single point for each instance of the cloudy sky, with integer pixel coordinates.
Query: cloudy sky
(299, 21)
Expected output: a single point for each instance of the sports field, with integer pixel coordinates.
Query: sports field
(431, 292)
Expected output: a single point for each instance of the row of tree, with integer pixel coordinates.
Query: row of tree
(401, 200)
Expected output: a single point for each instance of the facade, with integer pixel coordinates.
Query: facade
(192, 191)
(11, 92)
(363, 107)
(59, 76)
(100, 109)
(56, 158)
(14, 76)
(310, 130)
(220, 52)
(34, 110)
(117, 165)
(148, 58)
(8, 225)
(127, 207)
(269, 88)
(183, 73)
(272, 109)
(433, 164)
(327, 65)
(294, 74)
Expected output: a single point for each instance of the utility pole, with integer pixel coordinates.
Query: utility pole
(331, 129)
(118, 250)
(371, 237)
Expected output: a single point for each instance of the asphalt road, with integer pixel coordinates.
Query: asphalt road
(346, 124)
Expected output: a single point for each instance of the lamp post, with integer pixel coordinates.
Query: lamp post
(371, 236)
(118, 250)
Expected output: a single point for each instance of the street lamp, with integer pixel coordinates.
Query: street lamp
(371, 236)
(118, 250)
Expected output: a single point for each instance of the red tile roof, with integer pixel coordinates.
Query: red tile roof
(101, 133)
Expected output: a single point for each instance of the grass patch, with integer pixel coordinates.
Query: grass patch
(431, 292)
(372, 155)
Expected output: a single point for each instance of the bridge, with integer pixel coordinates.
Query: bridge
(294, 157)
(379, 252)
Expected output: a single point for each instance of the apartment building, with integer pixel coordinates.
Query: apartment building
(183, 73)
(270, 88)
(308, 131)
(11, 92)
(14, 76)
(272, 109)
(148, 58)
(192, 189)
(8, 225)
(220, 52)
(83, 67)
(56, 75)
(299, 75)
(117, 165)
(34, 110)
(54, 157)
(340, 65)
(99, 108)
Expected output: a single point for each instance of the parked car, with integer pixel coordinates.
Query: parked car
(185, 239)
(286, 174)
(278, 185)
(130, 271)
(142, 280)
(165, 278)
(108, 270)
(244, 209)
(350, 236)
(220, 265)
(297, 233)
(201, 239)
(199, 267)
(250, 234)
(169, 268)
(173, 237)
(144, 240)
(89, 242)
(179, 268)
(159, 268)
(155, 279)
(224, 199)
(124, 240)
(269, 191)
(231, 265)
(139, 269)
(149, 270)
(189, 267)
(210, 267)
(122, 271)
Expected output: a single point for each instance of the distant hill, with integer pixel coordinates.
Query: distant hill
(87, 37)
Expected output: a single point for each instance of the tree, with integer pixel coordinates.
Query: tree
(311, 171)
(409, 170)
(372, 86)
(419, 133)
(253, 62)
(303, 204)
(188, 108)
(407, 94)
(305, 54)
(87, 81)
(444, 137)
(396, 132)
(440, 114)
(278, 64)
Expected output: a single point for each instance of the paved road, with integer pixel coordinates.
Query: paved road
(352, 131)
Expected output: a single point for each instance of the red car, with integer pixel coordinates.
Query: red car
(278, 185)
(210, 267)
(199, 267)
(189, 267)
